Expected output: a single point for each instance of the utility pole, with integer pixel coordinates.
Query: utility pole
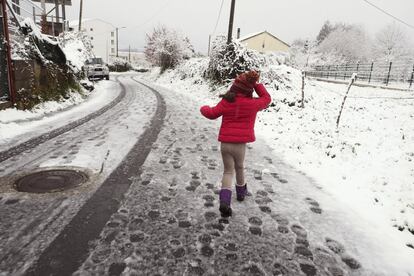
(6, 68)
(209, 45)
(129, 56)
(117, 44)
(230, 34)
(80, 15)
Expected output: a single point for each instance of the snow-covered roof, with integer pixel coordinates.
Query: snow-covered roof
(259, 33)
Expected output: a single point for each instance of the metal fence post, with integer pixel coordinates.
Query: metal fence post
(336, 71)
(327, 74)
(370, 72)
(346, 70)
(412, 77)
(357, 69)
(388, 75)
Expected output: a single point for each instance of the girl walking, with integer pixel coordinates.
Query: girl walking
(239, 109)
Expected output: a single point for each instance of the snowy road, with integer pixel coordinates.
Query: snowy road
(29, 222)
(167, 222)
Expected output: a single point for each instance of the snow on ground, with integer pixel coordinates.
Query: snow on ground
(367, 164)
(48, 115)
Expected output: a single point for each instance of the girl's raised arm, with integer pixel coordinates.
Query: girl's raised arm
(212, 112)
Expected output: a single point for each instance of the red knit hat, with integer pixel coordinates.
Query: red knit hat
(245, 82)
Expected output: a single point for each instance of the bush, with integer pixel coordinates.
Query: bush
(119, 65)
(229, 60)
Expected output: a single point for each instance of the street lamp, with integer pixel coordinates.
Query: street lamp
(117, 41)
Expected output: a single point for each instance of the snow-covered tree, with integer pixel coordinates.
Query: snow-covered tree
(348, 43)
(391, 44)
(229, 60)
(303, 52)
(326, 29)
(166, 48)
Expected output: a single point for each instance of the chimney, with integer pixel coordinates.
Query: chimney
(238, 33)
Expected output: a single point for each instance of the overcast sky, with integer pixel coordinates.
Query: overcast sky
(288, 19)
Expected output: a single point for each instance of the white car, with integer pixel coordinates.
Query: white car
(95, 68)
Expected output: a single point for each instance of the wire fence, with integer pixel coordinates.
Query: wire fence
(398, 73)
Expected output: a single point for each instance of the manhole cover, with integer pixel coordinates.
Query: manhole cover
(50, 181)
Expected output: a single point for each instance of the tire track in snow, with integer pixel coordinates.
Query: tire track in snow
(70, 248)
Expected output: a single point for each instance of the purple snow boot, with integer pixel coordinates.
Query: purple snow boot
(241, 192)
(225, 201)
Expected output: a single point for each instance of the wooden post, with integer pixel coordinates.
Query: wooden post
(412, 77)
(230, 33)
(351, 82)
(303, 90)
(6, 71)
(57, 11)
(44, 17)
(389, 74)
(64, 10)
(53, 25)
(370, 72)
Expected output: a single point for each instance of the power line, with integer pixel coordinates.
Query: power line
(218, 17)
(163, 6)
(387, 13)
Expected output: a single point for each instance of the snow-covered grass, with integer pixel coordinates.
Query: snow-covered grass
(366, 164)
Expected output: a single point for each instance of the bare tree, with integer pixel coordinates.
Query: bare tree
(391, 43)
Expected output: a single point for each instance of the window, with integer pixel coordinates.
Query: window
(92, 46)
(113, 51)
(112, 34)
(112, 42)
(91, 29)
(91, 37)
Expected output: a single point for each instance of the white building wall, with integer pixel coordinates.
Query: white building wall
(103, 37)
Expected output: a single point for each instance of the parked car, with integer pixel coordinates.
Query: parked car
(95, 68)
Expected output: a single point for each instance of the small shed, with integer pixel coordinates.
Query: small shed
(264, 42)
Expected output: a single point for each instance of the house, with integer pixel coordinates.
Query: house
(264, 42)
(54, 11)
(103, 37)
